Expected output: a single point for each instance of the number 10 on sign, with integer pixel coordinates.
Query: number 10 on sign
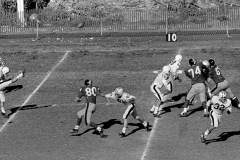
(171, 37)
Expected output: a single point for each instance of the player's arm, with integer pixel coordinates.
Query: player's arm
(110, 95)
(99, 92)
(131, 99)
(79, 96)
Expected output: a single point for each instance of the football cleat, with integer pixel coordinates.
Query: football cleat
(148, 127)
(205, 114)
(157, 115)
(4, 115)
(101, 133)
(183, 114)
(22, 72)
(122, 135)
(203, 138)
(74, 130)
(151, 111)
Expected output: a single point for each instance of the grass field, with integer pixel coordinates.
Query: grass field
(40, 128)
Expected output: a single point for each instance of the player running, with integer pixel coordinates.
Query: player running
(218, 105)
(90, 93)
(221, 83)
(197, 72)
(129, 101)
(5, 81)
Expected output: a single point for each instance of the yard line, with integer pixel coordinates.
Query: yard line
(31, 95)
(149, 139)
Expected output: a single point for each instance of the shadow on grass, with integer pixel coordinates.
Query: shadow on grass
(223, 137)
(26, 107)
(105, 125)
(139, 127)
(12, 88)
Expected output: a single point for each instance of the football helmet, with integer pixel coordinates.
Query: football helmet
(211, 62)
(192, 61)
(178, 58)
(5, 70)
(206, 63)
(119, 91)
(166, 69)
(88, 82)
(222, 96)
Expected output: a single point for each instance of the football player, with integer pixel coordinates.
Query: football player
(5, 81)
(221, 83)
(218, 105)
(175, 64)
(129, 101)
(90, 93)
(197, 72)
(161, 88)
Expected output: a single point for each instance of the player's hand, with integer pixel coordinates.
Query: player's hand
(78, 99)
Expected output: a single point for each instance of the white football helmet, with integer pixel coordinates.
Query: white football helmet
(119, 91)
(166, 69)
(178, 58)
(206, 63)
(222, 96)
(5, 70)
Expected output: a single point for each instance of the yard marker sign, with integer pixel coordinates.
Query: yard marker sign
(171, 37)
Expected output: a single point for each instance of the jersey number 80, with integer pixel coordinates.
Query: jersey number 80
(91, 91)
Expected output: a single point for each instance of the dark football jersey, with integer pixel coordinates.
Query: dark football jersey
(196, 73)
(90, 93)
(216, 75)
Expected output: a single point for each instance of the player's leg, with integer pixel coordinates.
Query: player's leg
(155, 90)
(164, 96)
(190, 95)
(220, 87)
(2, 100)
(233, 98)
(127, 112)
(91, 107)
(202, 96)
(80, 114)
(136, 116)
(215, 121)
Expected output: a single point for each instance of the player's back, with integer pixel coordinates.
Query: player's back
(218, 106)
(90, 93)
(195, 73)
(216, 75)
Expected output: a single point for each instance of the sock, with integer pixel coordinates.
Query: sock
(153, 108)
(99, 129)
(206, 133)
(3, 110)
(144, 124)
(124, 130)
(76, 127)
(156, 110)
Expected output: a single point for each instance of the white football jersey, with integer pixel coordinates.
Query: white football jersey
(125, 98)
(162, 79)
(174, 66)
(217, 106)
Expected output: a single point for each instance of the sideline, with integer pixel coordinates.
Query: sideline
(31, 95)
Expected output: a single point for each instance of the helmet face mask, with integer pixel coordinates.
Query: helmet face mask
(119, 92)
(222, 96)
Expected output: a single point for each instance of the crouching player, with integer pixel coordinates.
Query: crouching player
(129, 101)
(218, 105)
